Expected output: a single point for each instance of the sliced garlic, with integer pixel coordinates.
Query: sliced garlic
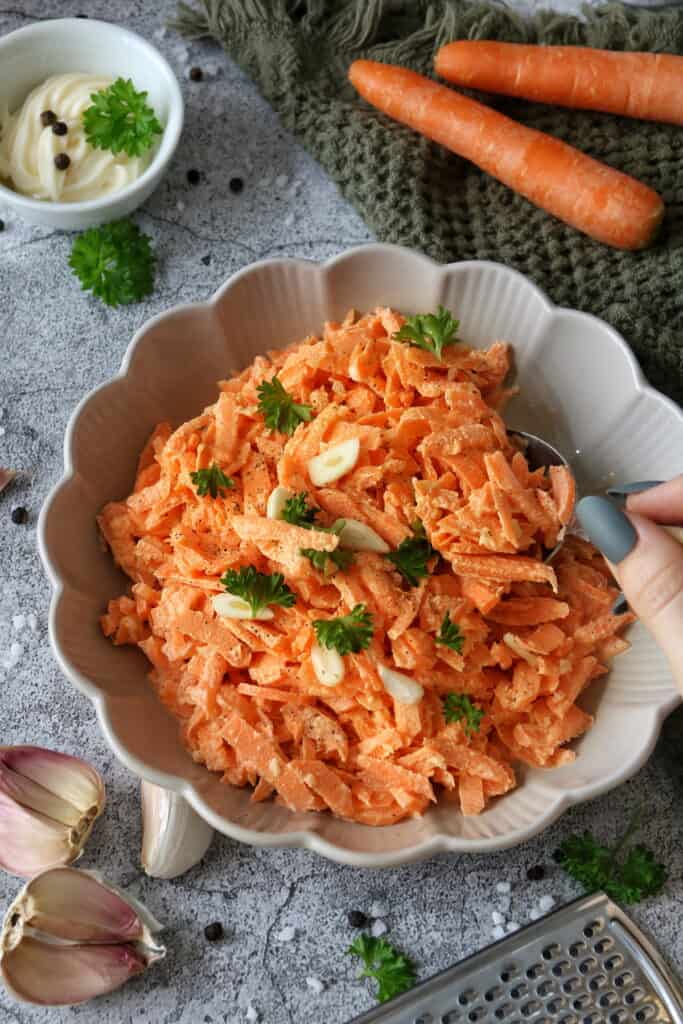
(334, 462)
(48, 805)
(277, 501)
(69, 936)
(359, 536)
(328, 665)
(174, 837)
(404, 689)
(232, 607)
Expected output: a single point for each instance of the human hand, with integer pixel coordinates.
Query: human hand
(646, 560)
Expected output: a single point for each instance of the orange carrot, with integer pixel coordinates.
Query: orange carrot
(645, 85)
(588, 195)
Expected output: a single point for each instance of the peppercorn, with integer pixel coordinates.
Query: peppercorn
(81, 15)
(236, 185)
(536, 873)
(206, 260)
(62, 161)
(213, 932)
(357, 919)
(196, 74)
(19, 515)
(47, 118)
(60, 128)
(193, 176)
(558, 856)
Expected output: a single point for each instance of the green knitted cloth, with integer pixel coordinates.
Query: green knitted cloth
(412, 192)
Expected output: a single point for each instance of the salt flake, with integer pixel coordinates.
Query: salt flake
(287, 934)
(378, 928)
(379, 909)
(498, 932)
(315, 985)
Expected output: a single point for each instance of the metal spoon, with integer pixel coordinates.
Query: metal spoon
(539, 454)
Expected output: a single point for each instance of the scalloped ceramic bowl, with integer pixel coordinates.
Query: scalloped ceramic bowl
(581, 389)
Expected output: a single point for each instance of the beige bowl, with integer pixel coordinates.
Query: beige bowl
(581, 389)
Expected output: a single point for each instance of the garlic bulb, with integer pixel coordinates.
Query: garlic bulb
(69, 936)
(230, 606)
(276, 502)
(334, 462)
(174, 837)
(359, 536)
(328, 665)
(48, 805)
(402, 688)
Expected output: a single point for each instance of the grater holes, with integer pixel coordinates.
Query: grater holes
(424, 1018)
(603, 945)
(545, 988)
(608, 999)
(577, 948)
(618, 1017)
(555, 1005)
(634, 996)
(594, 928)
(478, 1013)
(509, 971)
(646, 1012)
(450, 1017)
(592, 1018)
(550, 952)
(519, 991)
(569, 1018)
(597, 982)
(561, 967)
(535, 970)
(571, 985)
(503, 1011)
(582, 1003)
(589, 964)
(530, 1008)
(614, 961)
(625, 978)
(493, 993)
(467, 996)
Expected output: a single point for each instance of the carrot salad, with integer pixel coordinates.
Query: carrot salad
(338, 578)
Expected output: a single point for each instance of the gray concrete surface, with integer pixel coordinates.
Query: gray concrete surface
(56, 343)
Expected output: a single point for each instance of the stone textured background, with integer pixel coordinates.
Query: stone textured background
(55, 344)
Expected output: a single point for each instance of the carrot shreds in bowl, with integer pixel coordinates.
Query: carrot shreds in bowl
(354, 614)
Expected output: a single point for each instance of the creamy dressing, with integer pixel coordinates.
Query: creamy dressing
(28, 147)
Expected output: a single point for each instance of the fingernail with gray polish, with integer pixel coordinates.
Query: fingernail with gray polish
(607, 527)
(623, 490)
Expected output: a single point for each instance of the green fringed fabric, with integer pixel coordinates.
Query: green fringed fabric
(412, 192)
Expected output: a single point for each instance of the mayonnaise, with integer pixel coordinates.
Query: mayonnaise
(28, 147)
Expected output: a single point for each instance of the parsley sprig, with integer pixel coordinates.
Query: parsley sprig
(279, 409)
(450, 635)
(346, 634)
(115, 262)
(457, 707)
(121, 120)
(257, 588)
(391, 969)
(298, 512)
(430, 331)
(628, 875)
(412, 555)
(320, 560)
(211, 480)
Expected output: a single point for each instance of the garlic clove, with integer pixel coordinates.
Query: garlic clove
(54, 975)
(359, 536)
(328, 665)
(277, 501)
(75, 905)
(232, 607)
(402, 688)
(334, 462)
(48, 805)
(174, 837)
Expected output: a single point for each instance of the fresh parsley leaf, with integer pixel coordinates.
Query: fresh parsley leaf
(392, 970)
(279, 409)
(120, 120)
(257, 588)
(298, 512)
(628, 878)
(211, 481)
(449, 635)
(457, 707)
(115, 262)
(431, 331)
(320, 560)
(412, 555)
(348, 633)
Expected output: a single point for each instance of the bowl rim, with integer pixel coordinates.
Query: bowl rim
(652, 717)
(169, 138)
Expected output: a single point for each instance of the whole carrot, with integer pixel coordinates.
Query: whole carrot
(645, 85)
(586, 194)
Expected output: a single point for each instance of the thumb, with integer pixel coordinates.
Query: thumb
(648, 565)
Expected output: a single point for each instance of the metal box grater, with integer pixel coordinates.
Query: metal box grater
(586, 963)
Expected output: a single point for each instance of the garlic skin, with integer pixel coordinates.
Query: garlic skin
(334, 462)
(230, 606)
(49, 803)
(6, 477)
(401, 687)
(69, 936)
(328, 665)
(174, 837)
